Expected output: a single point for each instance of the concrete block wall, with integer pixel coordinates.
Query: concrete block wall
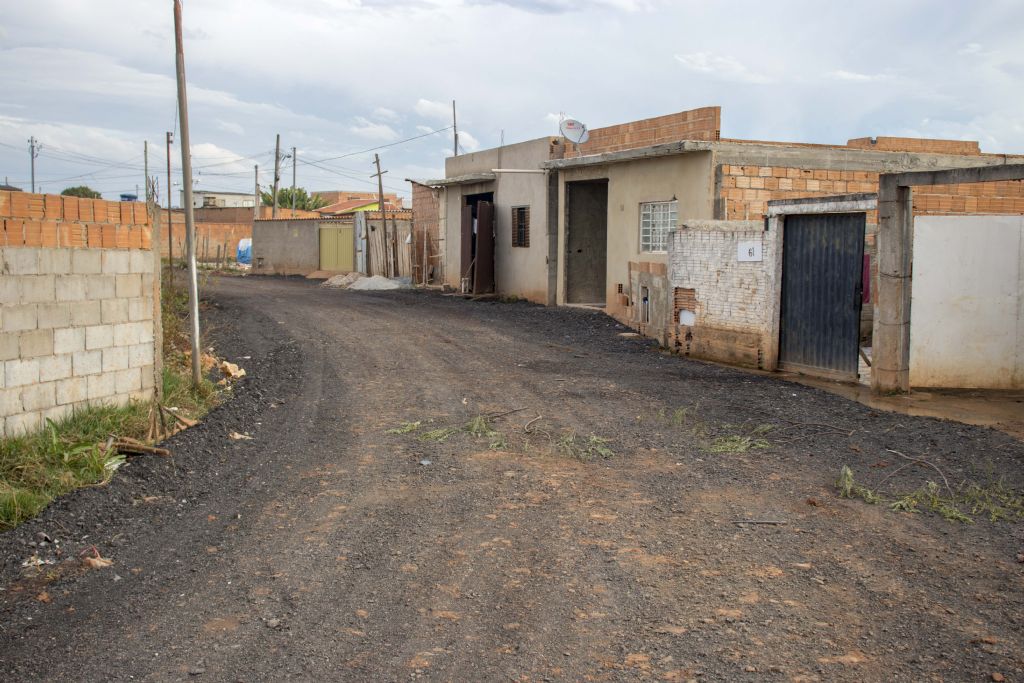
(76, 323)
(732, 298)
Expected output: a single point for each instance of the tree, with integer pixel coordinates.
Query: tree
(83, 191)
(302, 200)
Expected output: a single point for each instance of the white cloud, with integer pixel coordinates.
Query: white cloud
(719, 66)
(970, 49)
(374, 131)
(844, 75)
(230, 127)
(386, 114)
(433, 110)
(467, 142)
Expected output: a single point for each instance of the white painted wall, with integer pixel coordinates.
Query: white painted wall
(967, 305)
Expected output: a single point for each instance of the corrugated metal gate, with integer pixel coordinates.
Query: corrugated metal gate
(822, 265)
(337, 248)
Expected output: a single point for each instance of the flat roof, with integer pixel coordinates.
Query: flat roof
(482, 177)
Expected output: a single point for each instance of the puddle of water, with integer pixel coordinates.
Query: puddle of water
(1003, 410)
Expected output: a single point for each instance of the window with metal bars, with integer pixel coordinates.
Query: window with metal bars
(520, 226)
(657, 220)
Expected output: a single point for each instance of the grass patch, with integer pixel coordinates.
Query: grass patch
(585, 449)
(66, 455)
(438, 435)
(994, 501)
(480, 426)
(849, 488)
(71, 453)
(405, 428)
(736, 444)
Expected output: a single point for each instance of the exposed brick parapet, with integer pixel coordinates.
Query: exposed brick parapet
(37, 220)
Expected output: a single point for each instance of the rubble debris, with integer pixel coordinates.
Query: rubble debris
(231, 370)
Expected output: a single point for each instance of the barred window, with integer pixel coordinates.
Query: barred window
(520, 226)
(657, 220)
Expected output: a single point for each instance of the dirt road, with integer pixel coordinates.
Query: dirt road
(597, 541)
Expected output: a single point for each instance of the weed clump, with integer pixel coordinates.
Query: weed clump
(585, 450)
(994, 500)
(405, 428)
(736, 444)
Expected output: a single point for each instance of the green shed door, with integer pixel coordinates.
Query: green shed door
(337, 249)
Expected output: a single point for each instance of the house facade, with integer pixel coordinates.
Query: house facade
(610, 210)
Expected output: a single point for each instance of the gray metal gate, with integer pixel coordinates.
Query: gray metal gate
(822, 266)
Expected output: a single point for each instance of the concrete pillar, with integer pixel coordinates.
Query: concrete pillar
(891, 339)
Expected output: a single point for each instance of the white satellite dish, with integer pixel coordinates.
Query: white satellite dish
(574, 131)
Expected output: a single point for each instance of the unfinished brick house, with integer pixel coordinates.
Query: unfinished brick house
(602, 215)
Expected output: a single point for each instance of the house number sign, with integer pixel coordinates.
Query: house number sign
(749, 251)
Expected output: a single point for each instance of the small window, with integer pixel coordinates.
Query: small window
(520, 226)
(657, 220)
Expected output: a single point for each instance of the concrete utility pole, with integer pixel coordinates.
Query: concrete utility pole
(186, 173)
(293, 181)
(170, 224)
(33, 152)
(455, 127)
(256, 195)
(277, 173)
(145, 165)
(383, 213)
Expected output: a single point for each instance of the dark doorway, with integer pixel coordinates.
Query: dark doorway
(822, 284)
(586, 242)
(476, 267)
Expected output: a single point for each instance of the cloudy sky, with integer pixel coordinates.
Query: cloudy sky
(92, 79)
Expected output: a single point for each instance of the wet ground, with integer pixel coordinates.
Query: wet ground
(607, 520)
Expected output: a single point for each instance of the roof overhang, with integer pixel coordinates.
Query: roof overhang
(654, 151)
(468, 179)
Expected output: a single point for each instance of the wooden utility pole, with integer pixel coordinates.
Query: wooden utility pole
(256, 195)
(380, 205)
(293, 182)
(277, 173)
(186, 180)
(170, 223)
(455, 127)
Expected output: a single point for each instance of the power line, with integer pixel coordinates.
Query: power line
(390, 144)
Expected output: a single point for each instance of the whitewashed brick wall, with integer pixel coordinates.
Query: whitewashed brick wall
(76, 327)
(731, 295)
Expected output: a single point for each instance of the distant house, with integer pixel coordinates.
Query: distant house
(348, 207)
(209, 200)
(339, 196)
(7, 187)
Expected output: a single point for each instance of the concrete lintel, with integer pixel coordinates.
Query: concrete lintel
(954, 176)
(654, 151)
(845, 203)
(458, 180)
(721, 225)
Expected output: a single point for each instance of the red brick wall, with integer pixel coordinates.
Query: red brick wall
(208, 237)
(426, 214)
(746, 191)
(921, 145)
(333, 197)
(241, 214)
(695, 124)
(38, 220)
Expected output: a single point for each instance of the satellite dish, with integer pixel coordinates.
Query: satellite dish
(574, 131)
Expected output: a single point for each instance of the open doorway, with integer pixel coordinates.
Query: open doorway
(586, 242)
(477, 248)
